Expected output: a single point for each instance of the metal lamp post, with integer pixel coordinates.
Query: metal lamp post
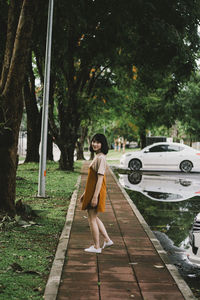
(44, 127)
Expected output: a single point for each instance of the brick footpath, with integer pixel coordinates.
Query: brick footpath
(131, 269)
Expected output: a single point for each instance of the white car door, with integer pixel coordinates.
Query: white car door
(155, 157)
(174, 155)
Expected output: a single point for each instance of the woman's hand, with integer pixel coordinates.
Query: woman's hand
(94, 201)
(81, 198)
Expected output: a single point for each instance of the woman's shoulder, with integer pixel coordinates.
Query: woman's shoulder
(99, 159)
(101, 156)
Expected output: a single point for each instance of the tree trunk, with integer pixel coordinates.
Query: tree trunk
(142, 135)
(67, 140)
(79, 150)
(91, 153)
(8, 161)
(66, 136)
(11, 103)
(80, 143)
(190, 140)
(33, 121)
(66, 161)
(49, 147)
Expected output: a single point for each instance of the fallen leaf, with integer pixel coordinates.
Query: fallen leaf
(27, 225)
(159, 266)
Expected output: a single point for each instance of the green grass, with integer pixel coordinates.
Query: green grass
(26, 253)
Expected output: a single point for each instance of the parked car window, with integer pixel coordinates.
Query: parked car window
(159, 148)
(174, 148)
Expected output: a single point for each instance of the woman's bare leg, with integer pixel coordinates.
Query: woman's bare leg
(94, 228)
(102, 230)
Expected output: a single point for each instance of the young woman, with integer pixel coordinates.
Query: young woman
(94, 198)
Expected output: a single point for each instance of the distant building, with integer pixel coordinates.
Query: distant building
(156, 139)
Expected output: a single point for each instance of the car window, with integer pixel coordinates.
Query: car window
(159, 148)
(174, 148)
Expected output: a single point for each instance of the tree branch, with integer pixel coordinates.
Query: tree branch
(21, 46)
(13, 19)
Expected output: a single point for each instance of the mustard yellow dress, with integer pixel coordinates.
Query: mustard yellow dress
(98, 166)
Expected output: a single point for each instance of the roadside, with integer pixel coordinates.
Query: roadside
(29, 187)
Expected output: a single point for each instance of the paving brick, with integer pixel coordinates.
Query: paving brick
(79, 276)
(84, 294)
(126, 290)
(161, 291)
(118, 278)
(150, 273)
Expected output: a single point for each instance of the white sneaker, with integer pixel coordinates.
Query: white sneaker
(107, 244)
(92, 249)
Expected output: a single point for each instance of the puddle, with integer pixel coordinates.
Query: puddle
(170, 204)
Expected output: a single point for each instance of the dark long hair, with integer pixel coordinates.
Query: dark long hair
(100, 138)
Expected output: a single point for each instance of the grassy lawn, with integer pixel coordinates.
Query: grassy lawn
(27, 247)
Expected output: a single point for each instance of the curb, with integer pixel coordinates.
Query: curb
(53, 282)
(182, 285)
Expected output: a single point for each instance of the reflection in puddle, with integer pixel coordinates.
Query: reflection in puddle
(161, 187)
(194, 237)
(169, 202)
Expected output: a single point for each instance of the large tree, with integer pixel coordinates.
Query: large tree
(21, 15)
(159, 37)
(92, 37)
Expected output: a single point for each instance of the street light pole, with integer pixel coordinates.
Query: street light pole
(44, 126)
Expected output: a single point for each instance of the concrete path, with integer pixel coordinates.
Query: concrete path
(136, 267)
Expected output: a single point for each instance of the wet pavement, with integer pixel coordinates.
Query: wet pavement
(131, 269)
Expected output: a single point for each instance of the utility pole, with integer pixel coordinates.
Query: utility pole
(44, 126)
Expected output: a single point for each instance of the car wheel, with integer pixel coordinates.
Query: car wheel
(186, 166)
(135, 164)
(135, 177)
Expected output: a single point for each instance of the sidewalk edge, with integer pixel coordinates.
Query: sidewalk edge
(53, 282)
(182, 285)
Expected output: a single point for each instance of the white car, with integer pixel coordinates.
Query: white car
(163, 156)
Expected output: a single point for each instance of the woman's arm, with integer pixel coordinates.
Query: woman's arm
(94, 200)
(81, 198)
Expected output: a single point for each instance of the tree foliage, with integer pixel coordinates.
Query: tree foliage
(93, 38)
(151, 41)
(190, 106)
